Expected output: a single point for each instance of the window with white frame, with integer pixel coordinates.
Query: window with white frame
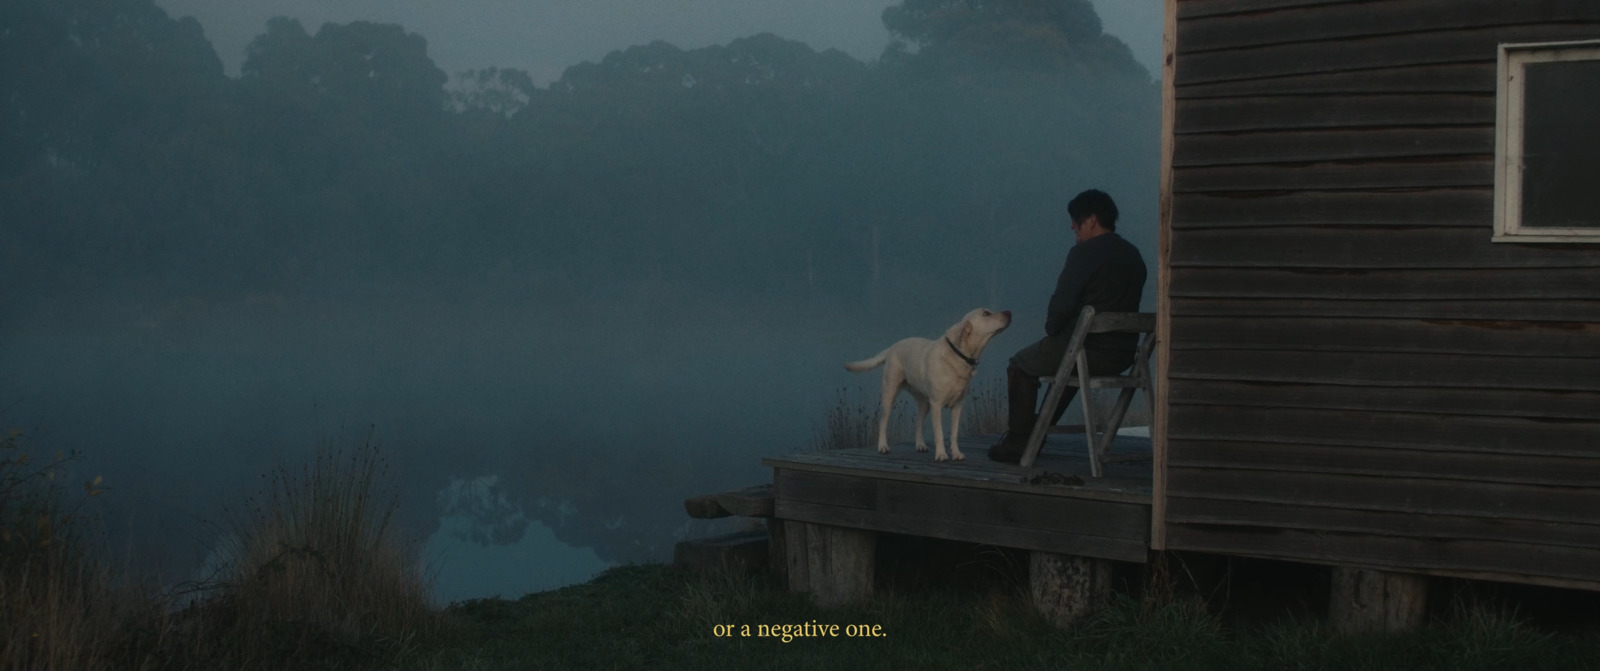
(1547, 144)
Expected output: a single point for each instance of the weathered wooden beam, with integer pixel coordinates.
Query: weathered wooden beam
(703, 507)
(1389, 369)
(1432, 47)
(1158, 418)
(777, 550)
(912, 524)
(1578, 310)
(1301, 145)
(1417, 496)
(1374, 428)
(1396, 248)
(905, 465)
(748, 502)
(833, 564)
(1286, 112)
(1282, 22)
(1487, 337)
(1067, 588)
(1476, 77)
(1452, 207)
(1476, 467)
(1502, 538)
(1534, 562)
(796, 565)
(1401, 286)
(1364, 600)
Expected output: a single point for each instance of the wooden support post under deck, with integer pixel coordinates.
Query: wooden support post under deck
(1067, 588)
(777, 556)
(1365, 600)
(834, 564)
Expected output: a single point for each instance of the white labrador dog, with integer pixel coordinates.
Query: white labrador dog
(937, 373)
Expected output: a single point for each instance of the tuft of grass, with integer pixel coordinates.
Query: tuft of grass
(651, 617)
(1178, 632)
(985, 409)
(852, 422)
(313, 571)
(316, 579)
(59, 608)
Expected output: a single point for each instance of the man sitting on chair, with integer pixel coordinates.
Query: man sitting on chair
(1102, 270)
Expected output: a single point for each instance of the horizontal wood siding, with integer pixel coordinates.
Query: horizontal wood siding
(1370, 247)
(1410, 398)
(1434, 207)
(1422, 336)
(1261, 453)
(1392, 285)
(1214, 115)
(1463, 78)
(1488, 375)
(1357, 375)
(1496, 560)
(1384, 51)
(1340, 21)
(1309, 146)
(1525, 309)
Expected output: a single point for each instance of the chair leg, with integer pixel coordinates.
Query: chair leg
(1089, 435)
(1114, 422)
(1041, 425)
(1073, 359)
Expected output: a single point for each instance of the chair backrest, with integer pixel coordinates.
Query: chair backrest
(1090, 321)
(1114, 322)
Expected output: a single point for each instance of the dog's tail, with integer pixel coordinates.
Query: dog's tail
(867, 364)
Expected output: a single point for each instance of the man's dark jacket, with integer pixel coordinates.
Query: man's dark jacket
(1107, 272)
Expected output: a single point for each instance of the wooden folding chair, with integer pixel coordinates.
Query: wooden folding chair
(1076, 359)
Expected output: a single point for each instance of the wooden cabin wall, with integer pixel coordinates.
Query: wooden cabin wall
(1356, 374)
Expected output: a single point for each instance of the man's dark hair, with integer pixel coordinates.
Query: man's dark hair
(1097, 202)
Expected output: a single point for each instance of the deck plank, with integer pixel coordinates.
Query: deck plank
(977, 500)
(971, 532)
(1064, 454)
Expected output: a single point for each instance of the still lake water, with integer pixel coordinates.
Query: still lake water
(464, 561)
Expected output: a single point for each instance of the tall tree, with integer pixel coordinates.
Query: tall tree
(1059, 35)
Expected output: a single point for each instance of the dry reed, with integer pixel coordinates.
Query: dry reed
(315, 566)
(852, 422)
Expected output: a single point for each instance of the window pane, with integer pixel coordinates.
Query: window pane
(1561, 145)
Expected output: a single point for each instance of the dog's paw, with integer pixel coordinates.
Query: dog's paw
(883, 449)
(941, 456)
(956, 455)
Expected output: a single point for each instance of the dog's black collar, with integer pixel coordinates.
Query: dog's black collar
(970, 361)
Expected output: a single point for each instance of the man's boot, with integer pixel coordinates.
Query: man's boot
(1061, 408)
(1022, 396)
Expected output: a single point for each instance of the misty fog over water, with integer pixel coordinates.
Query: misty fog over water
(558, 310)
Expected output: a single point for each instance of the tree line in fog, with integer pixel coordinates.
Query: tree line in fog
(345, 156)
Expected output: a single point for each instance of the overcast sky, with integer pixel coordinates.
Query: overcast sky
(544, 37)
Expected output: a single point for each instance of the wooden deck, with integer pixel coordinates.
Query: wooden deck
(1053, 507)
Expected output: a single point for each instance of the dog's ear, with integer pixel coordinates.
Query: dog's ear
(966, 332)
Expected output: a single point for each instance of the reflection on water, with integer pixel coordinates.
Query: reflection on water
(486, 547)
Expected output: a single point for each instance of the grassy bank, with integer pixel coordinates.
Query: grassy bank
(315, 579)
(311, 577)
(649, 617)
